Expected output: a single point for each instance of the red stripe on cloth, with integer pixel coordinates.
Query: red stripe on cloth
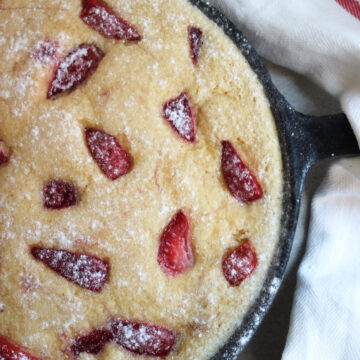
(352, 6)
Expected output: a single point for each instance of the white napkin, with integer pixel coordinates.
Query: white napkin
(320, 39)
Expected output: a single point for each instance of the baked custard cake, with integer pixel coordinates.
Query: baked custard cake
(140, 181)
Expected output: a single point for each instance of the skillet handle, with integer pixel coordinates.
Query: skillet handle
(315, 138)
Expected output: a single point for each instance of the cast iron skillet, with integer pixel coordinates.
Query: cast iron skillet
(303, 140)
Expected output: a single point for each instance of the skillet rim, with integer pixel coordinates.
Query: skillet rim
(293, 175)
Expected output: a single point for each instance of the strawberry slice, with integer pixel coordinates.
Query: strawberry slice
(105, 149)
(239, 264)
(75, 68)
(90, 343)
(175, 254)
(98, 15)
(241, 183)
(45, 51)
(10, 351)
(4, 153)
(143, 339)
(87, 271)
(179, 114)
(195, 42)
(58, 194)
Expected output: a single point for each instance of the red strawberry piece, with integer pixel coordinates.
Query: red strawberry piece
(58, 194)
(45, 51)
(75, 68)
(87, 271)
(10, 351)
(105, 149)
(179, 114)
(195, 42)
(143, 339)
(90, 343)
(4, 153)
(175, 254)
(239, 264)
(241, 183)
(98, 15)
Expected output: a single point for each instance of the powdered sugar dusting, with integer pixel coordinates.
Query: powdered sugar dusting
(239, 264)
(86, 271)
(58, 194)
(122, 220)
(143, 339)
(240, 181)
(75, 68)
(195, 40)
(10, 351)
(112, 159)
(90, 343)
(45, 51)
(101, 19)
(179, 114)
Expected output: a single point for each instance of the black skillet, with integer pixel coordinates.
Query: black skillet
(303, 140)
